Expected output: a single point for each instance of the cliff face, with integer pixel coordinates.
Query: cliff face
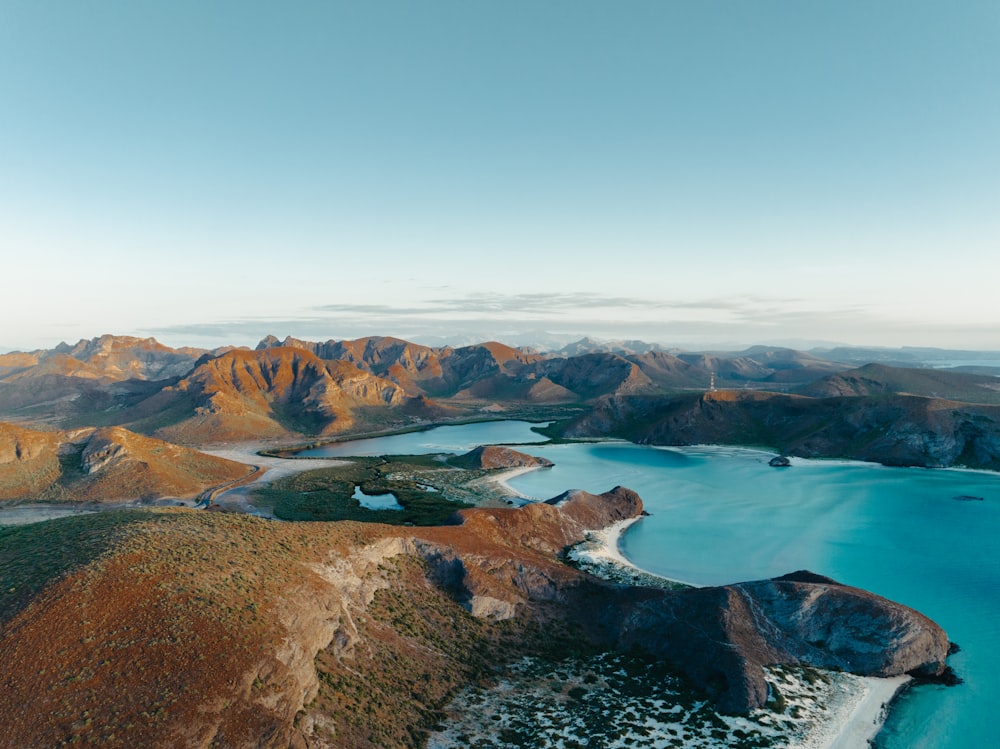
(722, 637)
(897, 430)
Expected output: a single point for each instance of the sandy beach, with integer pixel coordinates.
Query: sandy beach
(868, 715)
(845, 714)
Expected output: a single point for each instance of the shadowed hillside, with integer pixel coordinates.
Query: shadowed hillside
(895, 430)
(879, 379)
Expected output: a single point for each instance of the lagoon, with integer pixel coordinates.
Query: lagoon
(444, 439)
(720, 515)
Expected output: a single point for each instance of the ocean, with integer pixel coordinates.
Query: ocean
(719, 515)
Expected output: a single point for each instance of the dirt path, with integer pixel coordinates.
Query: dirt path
(232, 495)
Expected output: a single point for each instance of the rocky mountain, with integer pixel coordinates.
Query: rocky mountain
(920, 357)
(109, 464)
(108, 357)
(898, 430)
(762, 364)
(296, 389)
(420, 370)
(89, 383)
(589, 345)
(274, 392)
(879, 379)
(343, 634)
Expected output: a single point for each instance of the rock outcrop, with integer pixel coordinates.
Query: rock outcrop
(490, 457)
(895, 430)
(109, 464)
(722, 637)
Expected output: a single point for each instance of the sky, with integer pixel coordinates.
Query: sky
(713, 173)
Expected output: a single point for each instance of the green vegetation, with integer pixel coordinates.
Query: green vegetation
(33, 556)
(327, 493)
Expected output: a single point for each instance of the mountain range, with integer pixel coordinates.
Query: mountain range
(295, 390)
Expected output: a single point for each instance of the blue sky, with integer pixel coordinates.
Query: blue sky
(692, 173)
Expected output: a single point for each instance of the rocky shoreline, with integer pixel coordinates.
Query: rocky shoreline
(858, 707)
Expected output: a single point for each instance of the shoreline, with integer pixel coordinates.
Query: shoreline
(865, 720)
(854, 721)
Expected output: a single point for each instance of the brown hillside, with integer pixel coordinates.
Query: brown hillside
(495, 456)
(878, 379)
(183, 628)
(104, 465)
(29, 461)
(270, 392)
(595, 375)
(113, 358)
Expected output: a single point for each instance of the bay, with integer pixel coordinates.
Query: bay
(721, 515)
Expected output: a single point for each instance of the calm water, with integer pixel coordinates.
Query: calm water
(447, 439)
(722, 514)
(376, 501)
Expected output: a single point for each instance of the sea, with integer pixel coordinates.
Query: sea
(927, 538)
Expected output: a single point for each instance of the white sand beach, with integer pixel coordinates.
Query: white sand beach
(837, 711)
(868, 715)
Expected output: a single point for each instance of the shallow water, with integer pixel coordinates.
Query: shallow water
(720, 515)
(446, 439)
(376, 501)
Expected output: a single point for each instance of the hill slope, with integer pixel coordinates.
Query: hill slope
(877, 379)
(109, 464)
(891, 429)
(183, 628)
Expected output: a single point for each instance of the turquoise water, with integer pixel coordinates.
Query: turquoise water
(376, 501)
(721, 515)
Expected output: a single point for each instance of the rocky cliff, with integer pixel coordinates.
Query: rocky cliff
(723, 637)
(897, 430)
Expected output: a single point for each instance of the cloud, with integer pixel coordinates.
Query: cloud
(731, 322)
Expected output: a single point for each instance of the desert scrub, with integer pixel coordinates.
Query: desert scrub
(422, 648)
(595, 701)
(146, 619)
(33, 556)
